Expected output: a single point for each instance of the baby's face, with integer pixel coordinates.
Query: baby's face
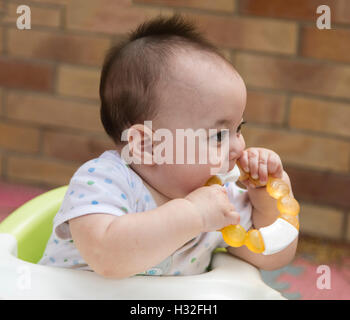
(201, 92)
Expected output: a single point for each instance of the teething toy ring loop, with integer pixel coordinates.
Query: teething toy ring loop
(270, 239)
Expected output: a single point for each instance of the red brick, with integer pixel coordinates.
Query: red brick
(292, 75)
(51, 111)
(1, 39)
(111, 17)
(326, 44)
(54, 2)
(348, 229)
(217, 5)
(265, 107)
(321, 221)
(108, 16)
(25, 75)
(19, 138)
(246, 33)
(75, 147)
(1, 105)
(55, 46)
(296, 9)
(320, 116)
(324, 188)
(78, 82)
(301, 149)
(34, 170)
(46, 17)
(342, 12)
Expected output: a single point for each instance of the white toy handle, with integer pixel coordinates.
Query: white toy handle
(278, 236)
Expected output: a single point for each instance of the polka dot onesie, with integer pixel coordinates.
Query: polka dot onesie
(108, 185)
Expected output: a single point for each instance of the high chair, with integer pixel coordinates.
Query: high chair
(23, 238)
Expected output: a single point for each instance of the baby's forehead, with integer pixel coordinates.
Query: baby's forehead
(189, 62)
(200, 86)
(197, 72)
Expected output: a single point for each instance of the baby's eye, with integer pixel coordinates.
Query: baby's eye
(240, 126)
(220, 136)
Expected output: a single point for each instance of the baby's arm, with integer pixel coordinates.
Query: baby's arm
(119, 247)
(265, 213)
(261, 163)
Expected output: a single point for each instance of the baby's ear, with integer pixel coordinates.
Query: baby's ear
(140, 142)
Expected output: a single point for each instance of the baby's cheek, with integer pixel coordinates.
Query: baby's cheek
(195, 176)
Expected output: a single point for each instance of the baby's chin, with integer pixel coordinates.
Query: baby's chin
(226, 168)
(232, 164)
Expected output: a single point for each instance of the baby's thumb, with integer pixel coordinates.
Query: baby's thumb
(234, 217)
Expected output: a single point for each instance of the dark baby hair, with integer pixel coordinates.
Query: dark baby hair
(132, 69)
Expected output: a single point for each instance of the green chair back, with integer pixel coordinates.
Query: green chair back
(31, 224)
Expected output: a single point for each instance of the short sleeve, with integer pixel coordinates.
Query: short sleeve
(98, 186)
(240, 199)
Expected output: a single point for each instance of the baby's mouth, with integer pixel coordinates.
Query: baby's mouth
(232, 164)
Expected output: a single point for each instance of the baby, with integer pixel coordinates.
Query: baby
(121, 218)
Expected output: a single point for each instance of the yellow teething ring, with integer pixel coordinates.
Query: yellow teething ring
(236, 235)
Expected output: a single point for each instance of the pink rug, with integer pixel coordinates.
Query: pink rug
(320, 271)
(304, 279)
(13, 196)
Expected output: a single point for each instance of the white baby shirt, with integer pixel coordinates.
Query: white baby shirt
(108, 185)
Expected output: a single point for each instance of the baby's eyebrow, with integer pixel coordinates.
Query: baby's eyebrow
(224, 122)
(221, 122)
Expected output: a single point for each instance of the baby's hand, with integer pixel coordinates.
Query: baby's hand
(214, 207)
(260, 163)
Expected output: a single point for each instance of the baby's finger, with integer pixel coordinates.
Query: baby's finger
(233, 217)
(219, 187)
(274, 165)
(253, 156)
(243, 161)
(263, 173)
(246, 182)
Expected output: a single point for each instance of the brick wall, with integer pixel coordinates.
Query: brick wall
(298, 80)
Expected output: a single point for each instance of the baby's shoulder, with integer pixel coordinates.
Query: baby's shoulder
(109, 174)
(107, 167)
(109, 161)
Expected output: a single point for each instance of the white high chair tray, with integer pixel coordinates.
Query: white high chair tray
(230, 278)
